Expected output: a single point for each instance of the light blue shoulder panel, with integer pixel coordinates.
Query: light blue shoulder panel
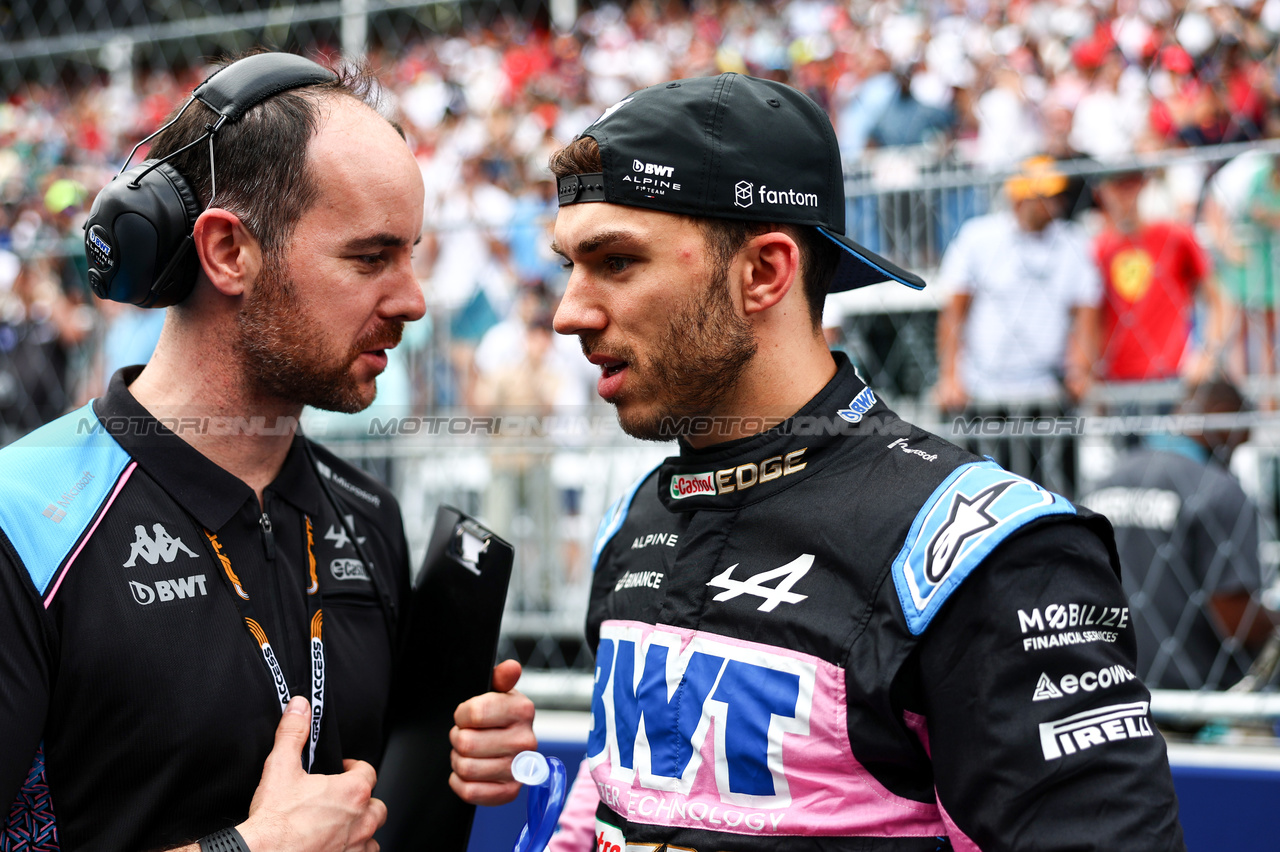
(978, 506)
(614, 517)
(54, 480)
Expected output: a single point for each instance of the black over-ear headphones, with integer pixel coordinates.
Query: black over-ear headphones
(138, 235)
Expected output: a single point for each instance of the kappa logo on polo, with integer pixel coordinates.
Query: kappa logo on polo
(177, 589)
(154, 549)
(742, 195)
(858, 406)
(1100, 726)
(1104, 678)
(787, 576)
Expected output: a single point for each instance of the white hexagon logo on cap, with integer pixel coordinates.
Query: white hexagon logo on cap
(742, 193)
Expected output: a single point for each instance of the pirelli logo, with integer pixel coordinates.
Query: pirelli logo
(1094, 727)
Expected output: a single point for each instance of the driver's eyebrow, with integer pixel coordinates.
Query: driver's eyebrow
(595, 242)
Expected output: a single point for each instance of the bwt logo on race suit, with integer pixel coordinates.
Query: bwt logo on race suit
(702, 731)
(657, 697)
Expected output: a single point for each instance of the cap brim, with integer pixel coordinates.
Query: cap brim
(860, 267)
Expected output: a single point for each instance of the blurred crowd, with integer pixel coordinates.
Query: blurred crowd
(978, 84)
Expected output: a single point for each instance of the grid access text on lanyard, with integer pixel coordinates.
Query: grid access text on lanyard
(259, 634)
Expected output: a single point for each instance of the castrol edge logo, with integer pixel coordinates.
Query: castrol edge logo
(739, 477)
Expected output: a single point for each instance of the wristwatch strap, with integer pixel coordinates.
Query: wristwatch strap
(226, 840)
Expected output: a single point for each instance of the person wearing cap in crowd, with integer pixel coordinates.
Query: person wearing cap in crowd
(815, 625)
(1017, 334)
(1152, 274)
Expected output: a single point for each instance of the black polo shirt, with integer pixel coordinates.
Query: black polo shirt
(136, 708)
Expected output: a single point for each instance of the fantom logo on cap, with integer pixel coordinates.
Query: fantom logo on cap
(742, 193)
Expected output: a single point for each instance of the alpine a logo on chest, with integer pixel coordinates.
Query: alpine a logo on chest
(787, 576)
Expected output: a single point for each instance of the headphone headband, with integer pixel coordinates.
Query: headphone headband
(138, 235)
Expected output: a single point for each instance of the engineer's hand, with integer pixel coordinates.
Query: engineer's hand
(292, 811)
(489, 730)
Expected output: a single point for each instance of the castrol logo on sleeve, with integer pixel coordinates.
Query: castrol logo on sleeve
(688, 484)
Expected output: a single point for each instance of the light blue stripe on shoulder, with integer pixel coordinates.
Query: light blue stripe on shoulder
(614, 517)
(55, 479)
(976, 508)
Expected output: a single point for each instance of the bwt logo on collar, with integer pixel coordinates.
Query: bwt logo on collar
(859, 406)
(652, 169)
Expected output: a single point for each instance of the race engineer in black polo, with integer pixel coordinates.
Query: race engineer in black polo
(817, 627)
(177, 565)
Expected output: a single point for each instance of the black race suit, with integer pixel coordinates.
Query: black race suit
(136, 708)
(847, 634)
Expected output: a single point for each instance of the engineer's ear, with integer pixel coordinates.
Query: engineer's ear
(770, 267)
(230, 256)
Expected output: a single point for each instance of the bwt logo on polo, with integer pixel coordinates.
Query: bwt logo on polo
(177, 589)
(737, 478)
(654, 703)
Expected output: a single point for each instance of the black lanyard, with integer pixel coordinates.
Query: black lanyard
(259, 635)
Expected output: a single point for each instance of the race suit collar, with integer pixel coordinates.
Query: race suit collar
(737, 473)
(210, 493)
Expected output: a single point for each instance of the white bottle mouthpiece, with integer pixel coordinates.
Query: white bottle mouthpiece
(530, 768)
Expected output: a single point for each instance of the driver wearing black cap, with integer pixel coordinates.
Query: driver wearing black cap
(816, 626)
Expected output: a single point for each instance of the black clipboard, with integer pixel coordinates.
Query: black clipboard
(456, 612)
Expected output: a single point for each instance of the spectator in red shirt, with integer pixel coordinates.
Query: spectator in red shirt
(1152, 274)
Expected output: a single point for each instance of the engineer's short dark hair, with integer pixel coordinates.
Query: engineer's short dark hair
(819, 256)
(262, 170)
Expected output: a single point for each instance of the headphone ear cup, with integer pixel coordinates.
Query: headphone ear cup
(138, 237)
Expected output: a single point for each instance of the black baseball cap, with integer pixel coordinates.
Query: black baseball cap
(730, 147)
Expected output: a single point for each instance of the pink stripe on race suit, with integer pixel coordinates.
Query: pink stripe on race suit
(733, 736)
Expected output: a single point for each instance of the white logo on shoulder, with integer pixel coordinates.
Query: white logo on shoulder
(788, 575)
(611, 110)
(153, 549)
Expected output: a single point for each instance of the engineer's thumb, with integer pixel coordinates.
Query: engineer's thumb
(291, 736)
